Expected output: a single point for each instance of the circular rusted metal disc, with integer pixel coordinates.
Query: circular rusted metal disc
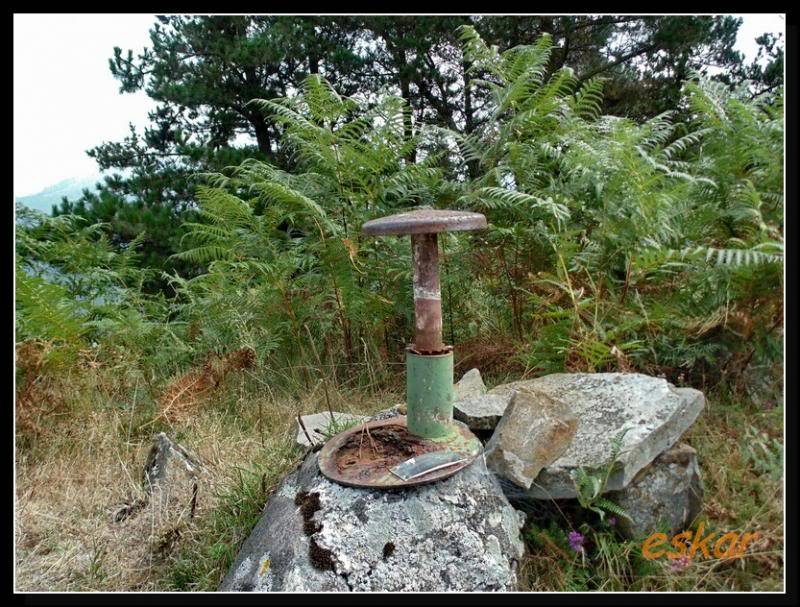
(425, 221)
(376, 474)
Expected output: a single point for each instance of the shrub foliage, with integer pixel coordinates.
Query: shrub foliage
(653, 246)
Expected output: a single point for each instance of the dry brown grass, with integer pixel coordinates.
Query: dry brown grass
(70, 484)
(494, 357)
(190, 390)
(37, 395)
(66, 501)
(87, 462)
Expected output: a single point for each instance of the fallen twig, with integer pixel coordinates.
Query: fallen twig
(303, 426)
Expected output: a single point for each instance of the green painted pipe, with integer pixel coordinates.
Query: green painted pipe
(429, 394)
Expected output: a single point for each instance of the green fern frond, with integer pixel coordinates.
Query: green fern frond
(478, 55)
(46, 311)
(606, 505)
(732, 257)
(494, 197)
(681, 144)
(587, 102)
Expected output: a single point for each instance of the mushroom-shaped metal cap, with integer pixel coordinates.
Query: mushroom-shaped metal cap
(425, 221)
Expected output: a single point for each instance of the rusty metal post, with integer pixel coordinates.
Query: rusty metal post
(427, 294)
(429, 362)
(441, 445)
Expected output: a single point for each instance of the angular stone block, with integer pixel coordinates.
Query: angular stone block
(481, 411)
(655, 413)
(471, 384)
(664, 497)
(316, 425)
(534, 431)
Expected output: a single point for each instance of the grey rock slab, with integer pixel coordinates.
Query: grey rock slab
(535, 431)
(664, 497)
(167, 460)
(169, 482)
(481, 411)
(470, 385)
(655, 413)
(460, 534)
(157, 513)
(316, 425)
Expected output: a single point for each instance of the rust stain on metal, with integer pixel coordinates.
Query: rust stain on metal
(385, 447)
(427, 295)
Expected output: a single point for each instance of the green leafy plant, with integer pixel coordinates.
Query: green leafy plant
(764, 453)
(613, 244)
(590, 485)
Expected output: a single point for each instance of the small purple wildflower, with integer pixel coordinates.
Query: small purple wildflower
(612, 521)
(576, 540)
(680, 563)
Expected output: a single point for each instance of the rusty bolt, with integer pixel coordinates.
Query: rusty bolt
(423, 226)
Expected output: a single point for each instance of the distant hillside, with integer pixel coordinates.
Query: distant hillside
(71, 188)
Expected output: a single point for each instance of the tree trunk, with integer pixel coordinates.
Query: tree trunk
(408, 133)
(469, 121)
(262, 135)
(399, 59)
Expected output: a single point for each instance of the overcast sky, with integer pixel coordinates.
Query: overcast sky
(66, 101)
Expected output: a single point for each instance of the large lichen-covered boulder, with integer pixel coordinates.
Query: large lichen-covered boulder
(654, 413)
(664, 497)
(459, 534)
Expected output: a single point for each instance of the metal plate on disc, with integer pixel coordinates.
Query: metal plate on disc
(364, 455)
(426, 463)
